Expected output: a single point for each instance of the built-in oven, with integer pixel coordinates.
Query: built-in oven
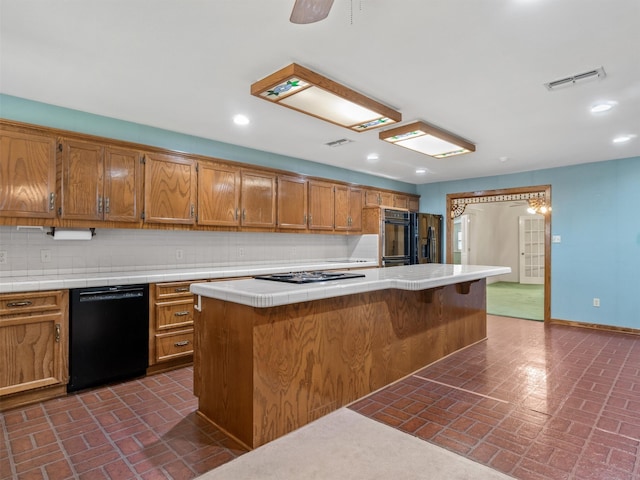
(396, 238)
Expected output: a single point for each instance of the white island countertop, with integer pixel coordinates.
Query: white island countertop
(265, 293)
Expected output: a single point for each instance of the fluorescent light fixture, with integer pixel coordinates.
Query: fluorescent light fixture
(427, 139)
(306, 91)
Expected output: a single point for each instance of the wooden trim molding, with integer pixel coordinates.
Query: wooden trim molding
(455, 201)
(595, 326)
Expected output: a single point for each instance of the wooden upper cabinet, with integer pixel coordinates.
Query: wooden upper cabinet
(321, 205)
(414, 204)
(169, 189)
(348, 208)
(292, 202)
(258, 199)
(218, 194)
(122, 185)
(27, 175)
(373, 198)
(100, 182)
(401, 201)
(82, 180)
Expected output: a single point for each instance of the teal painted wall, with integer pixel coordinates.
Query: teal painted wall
(22, 110)
(594, 212)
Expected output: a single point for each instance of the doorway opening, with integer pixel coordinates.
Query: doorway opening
(510, 227)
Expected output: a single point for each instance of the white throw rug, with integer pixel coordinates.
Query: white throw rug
(345, 445)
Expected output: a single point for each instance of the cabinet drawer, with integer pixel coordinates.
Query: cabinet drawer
(173, 290)
(174, 344)
(26, 303)
(174, 314)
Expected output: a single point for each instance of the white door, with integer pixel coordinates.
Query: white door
(461, 240)
(531, 238)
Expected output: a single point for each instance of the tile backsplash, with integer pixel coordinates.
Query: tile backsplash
(31, 252)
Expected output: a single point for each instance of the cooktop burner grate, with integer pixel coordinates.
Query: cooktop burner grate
(309, 277)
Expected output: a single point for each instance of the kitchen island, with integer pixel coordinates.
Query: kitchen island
(271, 357)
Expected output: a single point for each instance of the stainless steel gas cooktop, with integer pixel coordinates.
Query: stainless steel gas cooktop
(309, 277)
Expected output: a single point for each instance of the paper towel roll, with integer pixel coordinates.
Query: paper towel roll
(62, 234)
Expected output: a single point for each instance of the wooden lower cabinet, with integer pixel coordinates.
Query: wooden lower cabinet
(170, 325)
(34, 332)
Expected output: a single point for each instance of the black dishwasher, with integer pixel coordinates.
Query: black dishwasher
(108, 334)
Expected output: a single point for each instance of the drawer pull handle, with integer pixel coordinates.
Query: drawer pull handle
(57, 333)
(181, 314)
(182, 289)
(183, 343)
(25, 303)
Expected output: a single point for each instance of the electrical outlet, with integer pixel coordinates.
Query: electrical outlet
(45, 256)
(241, 252)
(3, 257)
(596, 302)
(179, 254)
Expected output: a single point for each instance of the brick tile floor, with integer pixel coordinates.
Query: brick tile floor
(533, 402)
(140, 429)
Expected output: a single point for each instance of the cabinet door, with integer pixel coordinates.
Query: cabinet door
(341, 207)
(372, 198)
(33, 341)
(258, 199)
(401, 201)
(218, 194)
(321, 206)
(169, 189)
(82, 180)
(386, 199)
(122, 185)
(27, 175)
(348, 209)
(292, 203)
(414, 204)
(355, 209)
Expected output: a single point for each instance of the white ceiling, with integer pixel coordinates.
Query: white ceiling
(473, 67)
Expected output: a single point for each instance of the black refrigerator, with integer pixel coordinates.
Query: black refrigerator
(426, 238)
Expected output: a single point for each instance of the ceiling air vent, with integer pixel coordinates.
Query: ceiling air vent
(598, 73)
(339, 143)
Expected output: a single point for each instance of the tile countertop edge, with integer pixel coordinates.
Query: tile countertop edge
(83, 280)
(247, 292)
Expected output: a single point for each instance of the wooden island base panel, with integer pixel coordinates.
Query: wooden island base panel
(263, 372)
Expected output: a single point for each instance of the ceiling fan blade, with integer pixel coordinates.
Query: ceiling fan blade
(310, 11)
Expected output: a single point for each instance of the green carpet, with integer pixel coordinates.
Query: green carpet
(519, 300)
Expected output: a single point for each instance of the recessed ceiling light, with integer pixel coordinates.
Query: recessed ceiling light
(241, 119)
(623, 138)
(421, 171)
(602, 107)
(503, 159)
(372, 157)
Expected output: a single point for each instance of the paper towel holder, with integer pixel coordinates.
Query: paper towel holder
(72, 234)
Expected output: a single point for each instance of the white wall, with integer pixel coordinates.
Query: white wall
(123, 250)
(493, 238)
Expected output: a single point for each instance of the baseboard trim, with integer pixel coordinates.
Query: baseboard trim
(595, 326)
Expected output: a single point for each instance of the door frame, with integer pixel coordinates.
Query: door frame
(455, 207)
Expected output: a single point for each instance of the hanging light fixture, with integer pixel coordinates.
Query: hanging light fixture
(538, 204)
(306, 91)
(427, 139)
